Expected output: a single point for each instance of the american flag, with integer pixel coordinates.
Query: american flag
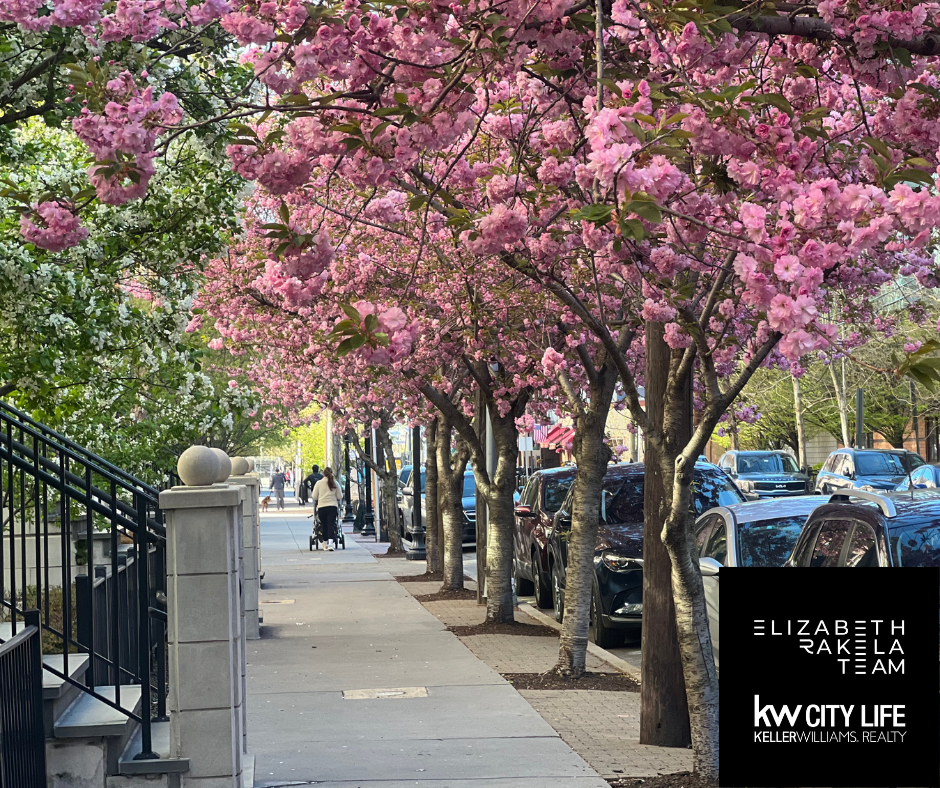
(539, 432)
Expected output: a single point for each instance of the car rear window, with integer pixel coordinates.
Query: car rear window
(768, 542)
(917, 545)
(878, 465)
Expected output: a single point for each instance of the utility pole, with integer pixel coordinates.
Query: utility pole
(859, 419)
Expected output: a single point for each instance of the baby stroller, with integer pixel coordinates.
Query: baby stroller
(316, 537)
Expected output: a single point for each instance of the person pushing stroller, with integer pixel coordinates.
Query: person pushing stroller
(326, 496)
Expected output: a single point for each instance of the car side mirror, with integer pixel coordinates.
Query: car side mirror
(407, 491)
(523, 511)
(709, 567)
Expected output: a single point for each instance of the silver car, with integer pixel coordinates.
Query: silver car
(761, 533)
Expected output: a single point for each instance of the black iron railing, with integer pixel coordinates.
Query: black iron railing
(22, 739)
(70, 521)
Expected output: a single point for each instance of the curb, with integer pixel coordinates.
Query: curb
(624, 667)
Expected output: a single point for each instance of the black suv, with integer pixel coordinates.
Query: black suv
(617, 600)
(874, 470)
(769, 474)
(862, 528)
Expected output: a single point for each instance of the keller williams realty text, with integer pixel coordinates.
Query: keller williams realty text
(881, 720)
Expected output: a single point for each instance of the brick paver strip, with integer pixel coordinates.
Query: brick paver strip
(604, 729)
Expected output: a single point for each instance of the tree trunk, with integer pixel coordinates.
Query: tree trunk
(592, 455)
(843, 404)
(664, 716)
(450, 473)
(800, 424)
(431, 541)
(390, 489)
(691, 622)
(499, 607)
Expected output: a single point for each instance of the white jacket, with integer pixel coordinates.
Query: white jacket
(324, 496)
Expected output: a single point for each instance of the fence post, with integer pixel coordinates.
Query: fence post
(250, 533)
(204, 622)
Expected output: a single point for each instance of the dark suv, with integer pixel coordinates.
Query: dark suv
(873, 470)
(769, 474)
(617, 600)
(541, 498)
(415, 537)
(859, 528)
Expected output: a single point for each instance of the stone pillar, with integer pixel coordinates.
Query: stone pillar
(250, 532)
(204, 630)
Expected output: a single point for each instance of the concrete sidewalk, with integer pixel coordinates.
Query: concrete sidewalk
(337, 622)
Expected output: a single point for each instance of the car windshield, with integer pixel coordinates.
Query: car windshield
(768, 542)
(424, 476)
(403, 476)
(623, 498)
(917, 545)
(555, 492)
(469, 486)
(878, 464)
(766, 463)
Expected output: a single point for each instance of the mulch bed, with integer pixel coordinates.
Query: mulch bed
(427, 577)
(441, 596)
(677, 780)
(516, 628)
(610, 682)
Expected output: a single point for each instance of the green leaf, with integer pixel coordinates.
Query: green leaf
(634, 228)
(352, 312)
(877, 145)
(903, 56)
(646, 210)
(284, 212)
(774, 99)
(598, 214)
(371, 323)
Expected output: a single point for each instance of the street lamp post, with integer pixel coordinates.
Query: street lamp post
(348, 515)
(368, 526)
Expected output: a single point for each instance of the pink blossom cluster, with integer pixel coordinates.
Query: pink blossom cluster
(58, 227)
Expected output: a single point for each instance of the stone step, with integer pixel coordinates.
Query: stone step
(160, 741)
(90, 717)
(54, 686)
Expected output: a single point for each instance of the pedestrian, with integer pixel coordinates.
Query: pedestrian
(287, 475)
(326, 498)
(278, 481)
(309, 482)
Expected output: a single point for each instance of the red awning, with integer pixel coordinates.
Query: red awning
(559, 440)
(552, 435)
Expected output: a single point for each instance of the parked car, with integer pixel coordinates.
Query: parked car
(769, 474)
(866, 469)
(752, 534)
(540, 499)
(617, 597)
(860, 528)
(415, 537)
(926, 477)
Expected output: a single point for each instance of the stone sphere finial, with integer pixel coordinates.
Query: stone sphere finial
(239, 466)
(198, 466)
(251, 465)
(225, 465)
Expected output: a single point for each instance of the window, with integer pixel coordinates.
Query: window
(555, 492)
(717, 545)
(767, 463)
(911, 460)
(879, 464)
(711, 489)
(806, 547)
(829, 543)
(703, 532)
(768, 542)
(831, 462)
(414, 477)
(862, 551)
(725, 462)
(626, 504)
(530, 493)
(917, 544)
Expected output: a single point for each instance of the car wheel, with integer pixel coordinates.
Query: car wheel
(598, 632)
(523, 585)
(558, 594)
(543, 591)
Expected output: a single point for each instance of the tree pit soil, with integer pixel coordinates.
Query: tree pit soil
(608, 682)
(514, 628)
(677, 780)
(442, 596)
(398, 554)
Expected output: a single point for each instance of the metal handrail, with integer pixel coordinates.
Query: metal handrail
(39, 469)
(81, 451)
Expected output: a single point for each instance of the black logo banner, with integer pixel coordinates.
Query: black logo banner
(829, 678)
